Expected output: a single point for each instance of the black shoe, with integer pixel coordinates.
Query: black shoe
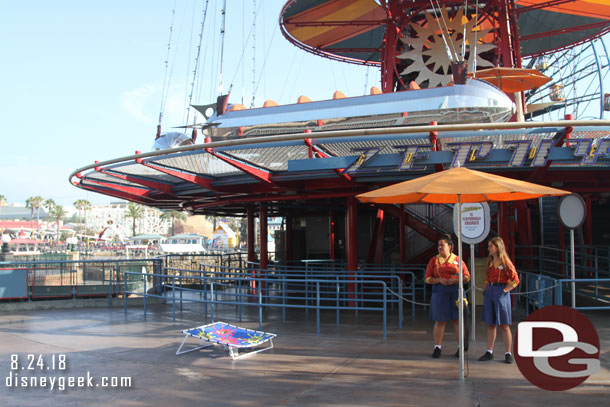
(437, 353)
(508, 358)
(487, 356)
(457, 353)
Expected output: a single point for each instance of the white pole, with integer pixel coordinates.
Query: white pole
(472, 294)
(573, 261)
(461, 291)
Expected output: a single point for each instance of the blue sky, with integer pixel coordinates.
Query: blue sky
(82, 81)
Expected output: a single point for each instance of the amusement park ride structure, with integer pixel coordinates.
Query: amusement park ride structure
(289, 160)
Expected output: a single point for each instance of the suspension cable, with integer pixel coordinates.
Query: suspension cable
(166, 81)
(222, 44)
(446, 29)
(264, 63)
(244, 49)
(197, 61)
(476, 38)
(253, 53)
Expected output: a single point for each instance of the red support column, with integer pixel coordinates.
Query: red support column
(262, 223)
(351, 237)
(588, 229)
(288, 245)
(251, 242)
(380, 237)
(403, 238)
(251, 235)
(511, 230)
(502, 219)
(562, 246)
(331, 234)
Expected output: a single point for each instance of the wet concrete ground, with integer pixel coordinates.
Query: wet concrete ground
(347, 365)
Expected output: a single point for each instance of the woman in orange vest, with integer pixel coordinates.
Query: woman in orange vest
(500, 279)
(443, 274)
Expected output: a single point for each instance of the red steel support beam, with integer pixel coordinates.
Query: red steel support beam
(376, 239)
(402, 230)
(351, 237)
(159, 186)
(588, 229)
(116, 194)
(251, 235)
(271, 198)
(260, 174)
(331, 234)
(289, 237)
(262, 221)
(183, 175)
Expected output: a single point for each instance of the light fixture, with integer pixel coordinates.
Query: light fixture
(6, 239)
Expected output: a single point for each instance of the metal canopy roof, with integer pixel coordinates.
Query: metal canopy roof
(228, 176)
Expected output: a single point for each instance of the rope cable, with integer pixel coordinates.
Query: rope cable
(253, 53)
(264, 63)
(166, 81)
(476, 38)
(243, 51)
(223, 13)
(439, 20)
(188, 65)
(197, 61)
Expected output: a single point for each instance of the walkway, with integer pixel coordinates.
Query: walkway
(348, 365)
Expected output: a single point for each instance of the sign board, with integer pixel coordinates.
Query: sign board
(475, 222)
(572, 211)
(13, 283)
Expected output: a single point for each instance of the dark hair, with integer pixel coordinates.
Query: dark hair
(447, 238)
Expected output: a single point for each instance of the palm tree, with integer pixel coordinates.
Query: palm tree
(82, 205)
(2, 201)
(49, 204)
(173, 216)
(34, 202)
(58, 214)
(134, 211)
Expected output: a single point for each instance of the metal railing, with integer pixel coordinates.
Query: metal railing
(245, 291)
(80, 278)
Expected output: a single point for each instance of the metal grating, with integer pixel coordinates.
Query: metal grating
(272, 158)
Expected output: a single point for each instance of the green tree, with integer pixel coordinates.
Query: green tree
(134, 211)
(57, 213)
(34, 203)
(173, 216)
(82, 205)
(49, 204)
(2, 201)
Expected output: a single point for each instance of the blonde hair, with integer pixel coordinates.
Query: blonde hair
(502, 255)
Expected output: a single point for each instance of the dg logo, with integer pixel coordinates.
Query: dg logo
(557, 348)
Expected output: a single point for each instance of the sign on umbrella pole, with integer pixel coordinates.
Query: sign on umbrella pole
(474, 221)
(572, 212)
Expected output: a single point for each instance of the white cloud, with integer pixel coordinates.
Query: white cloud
(138, 102)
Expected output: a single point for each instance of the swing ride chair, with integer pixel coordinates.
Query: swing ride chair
(230, 336)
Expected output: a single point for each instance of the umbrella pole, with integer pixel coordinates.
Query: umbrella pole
(460, 290)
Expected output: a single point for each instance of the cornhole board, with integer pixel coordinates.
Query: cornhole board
(230, 336)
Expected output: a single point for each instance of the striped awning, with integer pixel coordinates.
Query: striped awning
(353, 30)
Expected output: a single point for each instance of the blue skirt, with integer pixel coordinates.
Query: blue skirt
(443, 303)
(496, 306)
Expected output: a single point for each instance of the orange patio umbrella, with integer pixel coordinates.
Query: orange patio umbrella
(512, 80)
(459, 185)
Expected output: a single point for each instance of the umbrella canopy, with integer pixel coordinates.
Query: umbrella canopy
(513, 79)
(459, 185)
(469, 185)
